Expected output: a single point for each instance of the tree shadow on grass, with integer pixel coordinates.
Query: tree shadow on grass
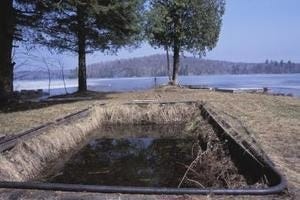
(15, 103)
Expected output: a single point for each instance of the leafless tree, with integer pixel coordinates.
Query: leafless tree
(26, 57)
(47, 65)
(61, 66)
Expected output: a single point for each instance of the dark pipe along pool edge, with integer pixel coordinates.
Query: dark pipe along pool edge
(279, 188)
(141, 190)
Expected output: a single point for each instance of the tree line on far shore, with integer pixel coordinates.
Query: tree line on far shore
(85, 26)
(155, 65)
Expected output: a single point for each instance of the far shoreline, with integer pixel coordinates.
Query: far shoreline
(286, 84)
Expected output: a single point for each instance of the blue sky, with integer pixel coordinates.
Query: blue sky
(253, 31)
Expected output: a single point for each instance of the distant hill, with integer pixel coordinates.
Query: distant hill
(43, 74)
(155, 65)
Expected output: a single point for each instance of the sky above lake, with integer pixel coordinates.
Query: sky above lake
(252, 31)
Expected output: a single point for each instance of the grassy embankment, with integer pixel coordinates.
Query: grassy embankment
(274, 121)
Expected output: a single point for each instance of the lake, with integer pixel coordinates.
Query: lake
(277, 83)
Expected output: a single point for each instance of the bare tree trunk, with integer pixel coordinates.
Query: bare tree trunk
(168, 64)
(49, 79)
(176, 63)
(63, 75)
(7, 22)
(49, 73)
(82, 86)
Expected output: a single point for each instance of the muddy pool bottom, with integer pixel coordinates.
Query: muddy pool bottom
(172, 157)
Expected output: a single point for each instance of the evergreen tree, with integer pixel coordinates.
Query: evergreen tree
(281, 62)
(86, 26)
(6, 40)
(185, 25)
(157, 34)
(18, 18)
(267, 62)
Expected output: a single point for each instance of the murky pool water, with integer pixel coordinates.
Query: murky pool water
(148, 162)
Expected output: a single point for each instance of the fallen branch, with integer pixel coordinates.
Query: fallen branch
(190, 167)
(192, 170)
(195, 182)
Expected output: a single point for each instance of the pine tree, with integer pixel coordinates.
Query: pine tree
(6, 41)
(185, 25)
(18, 19)
(83, 27)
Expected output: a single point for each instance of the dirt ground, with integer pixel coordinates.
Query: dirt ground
(274, 121)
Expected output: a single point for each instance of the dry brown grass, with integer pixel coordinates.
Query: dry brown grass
(29, 159)
(274, 122)
(152, 113)
(14, 122)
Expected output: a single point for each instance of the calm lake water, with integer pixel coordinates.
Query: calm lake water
(277, 83)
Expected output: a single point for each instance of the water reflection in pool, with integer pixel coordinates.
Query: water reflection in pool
(148, 162)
